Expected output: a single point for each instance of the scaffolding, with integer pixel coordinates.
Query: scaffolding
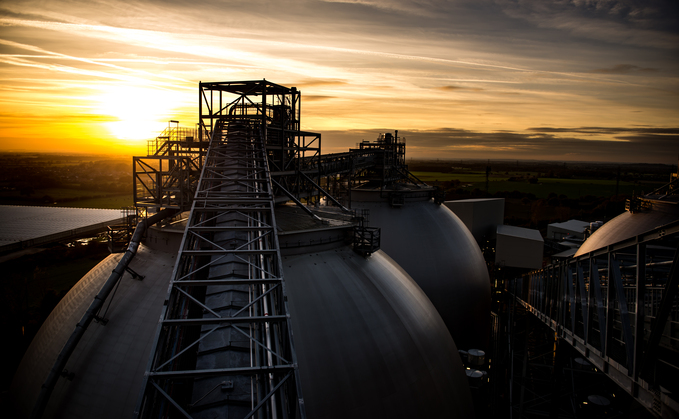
(167, 176)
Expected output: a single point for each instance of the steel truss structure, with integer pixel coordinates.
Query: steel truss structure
(293, 155)
(224, 347)
(168, 175)
(618, 307)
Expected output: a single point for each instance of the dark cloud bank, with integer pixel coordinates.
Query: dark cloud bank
(634, 145)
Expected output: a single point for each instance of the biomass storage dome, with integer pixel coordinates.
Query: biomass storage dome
(643, 215)
(437, 250)
(109, 363)
(369, 342)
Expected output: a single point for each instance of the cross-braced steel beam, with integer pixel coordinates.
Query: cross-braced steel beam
(618, 307)
(224, 347)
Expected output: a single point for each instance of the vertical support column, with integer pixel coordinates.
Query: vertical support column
(200, 111)
(543, 286)
(601, 312)
(571, 295)
(584, 307)
(564, 295)
(553, 294)
(624, 315)
(610, 306)
(548, 283)
(640, 315)
(590, 314)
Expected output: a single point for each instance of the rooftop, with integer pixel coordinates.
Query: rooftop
(524, 233)
(24, 226)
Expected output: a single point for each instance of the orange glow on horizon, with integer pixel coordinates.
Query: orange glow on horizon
(84, 77)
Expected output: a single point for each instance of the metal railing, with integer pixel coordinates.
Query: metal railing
(618, 306)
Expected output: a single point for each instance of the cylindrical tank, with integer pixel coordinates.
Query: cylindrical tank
(437, 250)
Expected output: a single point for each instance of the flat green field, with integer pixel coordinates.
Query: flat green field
(67, 197)
(108, 202)
(572, 188)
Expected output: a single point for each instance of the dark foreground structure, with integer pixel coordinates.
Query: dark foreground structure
(614, 304)
(274, 281)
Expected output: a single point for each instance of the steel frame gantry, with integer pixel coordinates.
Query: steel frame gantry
(293, 155)
(167, 176)
(224, 344)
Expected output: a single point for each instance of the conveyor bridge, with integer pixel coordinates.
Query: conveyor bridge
(618, 307)
(224, 347)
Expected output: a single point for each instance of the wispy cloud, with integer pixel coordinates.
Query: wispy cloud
(453, 88)
(625, 69)
(488, 67)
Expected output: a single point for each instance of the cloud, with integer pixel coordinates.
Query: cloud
(615, 144)
(369, 63)
(320, 83)
(316, 98)
(452, 88)
(653, 23)
(611, 130)
(625, 69)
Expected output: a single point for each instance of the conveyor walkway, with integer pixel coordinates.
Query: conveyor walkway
(224, 346)
(618, 307)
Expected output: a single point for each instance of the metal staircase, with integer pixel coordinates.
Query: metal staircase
(224, 346)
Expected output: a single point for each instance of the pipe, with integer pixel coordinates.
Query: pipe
(296, 201)
(81, 327)
(330, 197)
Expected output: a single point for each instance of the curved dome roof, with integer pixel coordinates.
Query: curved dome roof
(369, 342)
(628, 225)
(435, 247)
(109, 362)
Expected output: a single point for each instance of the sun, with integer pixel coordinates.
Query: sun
(140, 113)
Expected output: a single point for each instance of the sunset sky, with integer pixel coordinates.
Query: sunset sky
(492, 79)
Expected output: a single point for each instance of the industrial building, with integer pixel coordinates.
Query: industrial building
(281, 301)
(267, 279)
(573, 228)
(518, 247)
(481, 216)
